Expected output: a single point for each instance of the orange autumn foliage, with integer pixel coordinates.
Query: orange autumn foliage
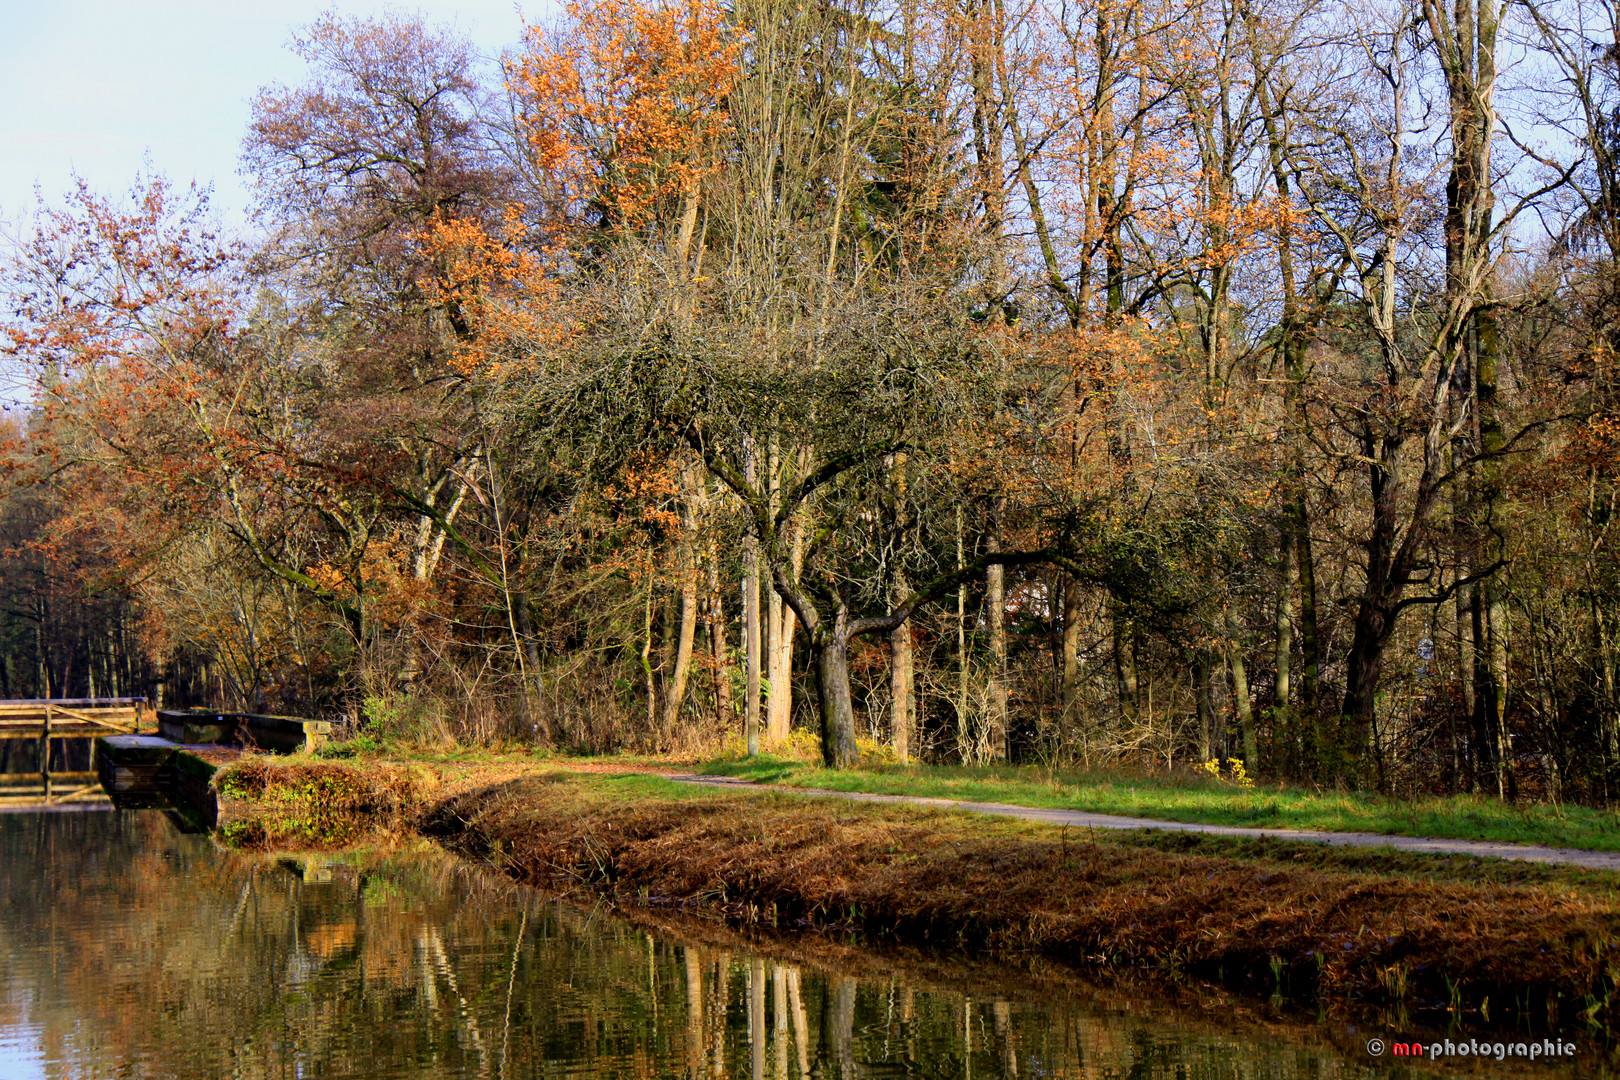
(624, 110)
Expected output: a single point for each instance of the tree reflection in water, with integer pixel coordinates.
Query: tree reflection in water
(130, 949)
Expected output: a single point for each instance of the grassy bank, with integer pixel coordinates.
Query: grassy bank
(1210, 801)
(1266, 919)
(1307, 922)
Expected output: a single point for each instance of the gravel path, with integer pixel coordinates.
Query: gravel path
(1591, 860)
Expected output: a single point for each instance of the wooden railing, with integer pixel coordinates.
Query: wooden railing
(45, 719)
(50, 718)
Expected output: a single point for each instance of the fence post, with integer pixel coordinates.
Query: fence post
(45, 752)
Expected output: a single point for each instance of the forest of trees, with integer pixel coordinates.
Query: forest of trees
(1108, 382)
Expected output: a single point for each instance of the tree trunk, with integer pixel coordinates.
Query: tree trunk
(964, 734)
(831, 649)
(995, 603)
(1464, 775)
(1240, 693)
(1284, 623)
(1465, 38)
(783, 623)
(1491, 666)
(1465, 646)
(718, 658)
(1389, 569)
(751, 647)
(89, 645)
(1071, 654)
(750, 619)
(1497, 613)
(1362, 668)
(646, 653)
(1297, 530)
(160, 682)
(692, 496)
(779, 704)
(901, 676)
(531, 657)
(1484, 744)
(1206, 711)
(1493, 441)
(1124, 647)
(1309, 637)
(675, 696)
(984, 38)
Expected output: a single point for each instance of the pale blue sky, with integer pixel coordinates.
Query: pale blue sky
(99, 85)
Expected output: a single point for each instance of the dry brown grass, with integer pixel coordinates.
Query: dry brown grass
(932, 877)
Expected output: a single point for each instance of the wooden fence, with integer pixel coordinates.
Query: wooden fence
(53, 718)
(44, 719)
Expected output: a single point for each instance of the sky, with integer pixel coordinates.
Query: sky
(99, 87)
(103, 89)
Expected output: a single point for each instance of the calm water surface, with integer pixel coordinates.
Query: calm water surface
(128, 949)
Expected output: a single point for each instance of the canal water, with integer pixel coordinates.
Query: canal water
(131, 949)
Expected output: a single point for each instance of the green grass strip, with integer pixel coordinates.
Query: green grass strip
(1193, 799)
